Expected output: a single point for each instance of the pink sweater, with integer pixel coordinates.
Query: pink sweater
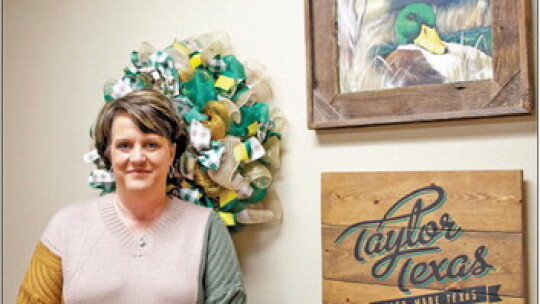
(103, 262)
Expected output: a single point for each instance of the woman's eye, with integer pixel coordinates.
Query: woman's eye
(123, 146)
(152, 145)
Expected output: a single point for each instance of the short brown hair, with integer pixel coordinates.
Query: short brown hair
(150, 110)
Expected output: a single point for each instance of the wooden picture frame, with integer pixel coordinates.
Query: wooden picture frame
(508, 93)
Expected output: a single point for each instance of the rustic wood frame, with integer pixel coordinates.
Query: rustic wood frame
(509, 93)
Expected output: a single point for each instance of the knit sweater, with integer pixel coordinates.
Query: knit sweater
(87, 255)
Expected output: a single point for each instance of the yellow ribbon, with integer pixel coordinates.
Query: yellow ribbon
(252, 129)
(241, 153)
(225, 83)
(195, 61)
(215, 124)
(181, 48)
(220, 108)
(226, 196)
(227, 218)
(202, 179)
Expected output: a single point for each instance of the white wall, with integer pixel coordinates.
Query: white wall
(59, 53)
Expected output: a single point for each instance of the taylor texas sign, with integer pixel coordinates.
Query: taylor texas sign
(423, 237)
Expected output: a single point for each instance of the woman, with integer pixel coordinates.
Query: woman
(136, 245)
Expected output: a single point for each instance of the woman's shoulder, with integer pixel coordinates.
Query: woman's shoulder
(80, 209)
(190, 207)
(71, 220)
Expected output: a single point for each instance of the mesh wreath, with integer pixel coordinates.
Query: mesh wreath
(234, 136)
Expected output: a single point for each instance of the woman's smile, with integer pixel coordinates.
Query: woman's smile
(138, 171)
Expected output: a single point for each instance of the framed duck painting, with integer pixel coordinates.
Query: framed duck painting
(375, 62)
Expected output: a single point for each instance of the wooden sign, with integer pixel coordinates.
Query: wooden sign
(423, 237)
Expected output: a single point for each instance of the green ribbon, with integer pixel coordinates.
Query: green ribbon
(194, 113)
(240, 90)
(160, 67)
(106, 188)
(211, 157)
(158, 70)
(135, 79)
(207, 202)
(234, 69)
(259, 112)
(200, 89)
(188, 194)
(217, 65)
(238, 204)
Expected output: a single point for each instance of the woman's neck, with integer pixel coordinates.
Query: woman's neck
(139, 211)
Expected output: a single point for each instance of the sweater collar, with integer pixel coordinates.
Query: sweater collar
(138, 244)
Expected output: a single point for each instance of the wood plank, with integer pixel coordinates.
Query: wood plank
(512, 94)
(505, 35)
(429, 117)
(526, 52)
(309, 61)
(323, 111)
(417, 100)
(505, 253)
(353, 197)
(324, 80)
(337, 292)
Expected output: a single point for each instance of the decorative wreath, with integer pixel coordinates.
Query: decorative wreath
(234, 136)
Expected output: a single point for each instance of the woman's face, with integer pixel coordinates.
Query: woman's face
(140, 161)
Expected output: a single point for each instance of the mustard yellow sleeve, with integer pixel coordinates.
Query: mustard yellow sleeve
(43, 280)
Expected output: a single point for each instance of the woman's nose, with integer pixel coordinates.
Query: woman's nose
(137, 155)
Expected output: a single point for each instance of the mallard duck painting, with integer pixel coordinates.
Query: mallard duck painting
(414, 43)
